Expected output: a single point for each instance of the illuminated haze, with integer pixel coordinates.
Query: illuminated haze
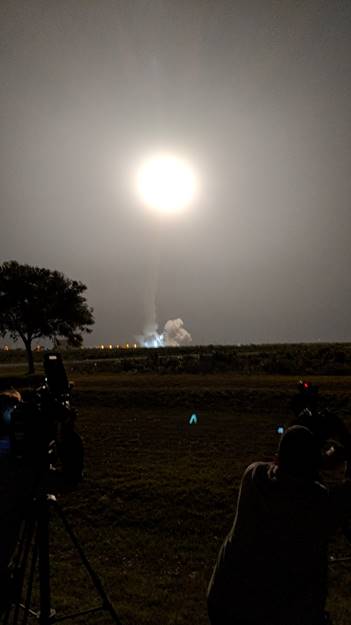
(255, 95)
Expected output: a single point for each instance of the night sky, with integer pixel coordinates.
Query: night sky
(255, 94)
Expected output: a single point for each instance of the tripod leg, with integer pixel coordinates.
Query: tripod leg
(44, 560)
(38, 528)
(30, 583)
(20, 565)
(107, 605)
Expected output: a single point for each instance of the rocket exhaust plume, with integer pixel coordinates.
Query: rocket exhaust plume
(150, 336)
(173, 335)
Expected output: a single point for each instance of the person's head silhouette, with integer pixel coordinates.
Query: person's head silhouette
(299, 453)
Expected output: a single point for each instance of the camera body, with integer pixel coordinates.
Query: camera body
(40, 426)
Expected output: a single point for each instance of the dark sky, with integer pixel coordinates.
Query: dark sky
(256, 94)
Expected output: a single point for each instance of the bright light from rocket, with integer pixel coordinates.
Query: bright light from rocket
(166, 183)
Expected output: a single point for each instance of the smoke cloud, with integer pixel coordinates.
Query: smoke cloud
(175, 334)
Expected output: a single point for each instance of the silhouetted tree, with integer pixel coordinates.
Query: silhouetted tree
(37, 302)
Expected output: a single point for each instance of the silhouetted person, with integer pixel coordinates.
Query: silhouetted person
(306, 397)
(331, 432)
(272, 567)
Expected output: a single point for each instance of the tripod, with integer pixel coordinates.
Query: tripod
(33, 549)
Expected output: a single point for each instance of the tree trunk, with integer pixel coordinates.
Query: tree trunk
(28, 346)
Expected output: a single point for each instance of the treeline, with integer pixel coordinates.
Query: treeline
(299, 359)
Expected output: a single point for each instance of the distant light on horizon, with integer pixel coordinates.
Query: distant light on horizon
(117, 346)
(166, 183)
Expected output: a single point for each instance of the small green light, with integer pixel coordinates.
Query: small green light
(193, 419)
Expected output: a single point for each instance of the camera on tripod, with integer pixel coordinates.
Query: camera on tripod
(37, 437)
(39, 426)
(328, 428)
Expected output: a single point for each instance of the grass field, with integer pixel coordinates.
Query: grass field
(159, 494)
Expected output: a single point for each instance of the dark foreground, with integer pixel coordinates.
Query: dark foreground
(159, 494)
